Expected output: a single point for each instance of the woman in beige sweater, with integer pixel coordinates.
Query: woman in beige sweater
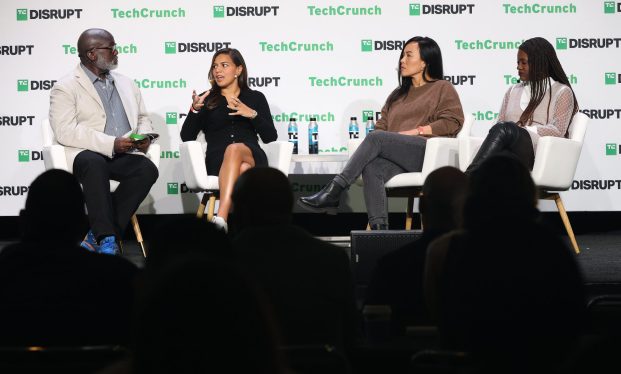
(424, 105)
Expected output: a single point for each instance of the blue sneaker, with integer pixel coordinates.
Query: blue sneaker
(108, 246)
(90, 243)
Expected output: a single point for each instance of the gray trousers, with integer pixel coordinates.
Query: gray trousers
(381, 156)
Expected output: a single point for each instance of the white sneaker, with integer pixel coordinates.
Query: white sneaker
(220, 223)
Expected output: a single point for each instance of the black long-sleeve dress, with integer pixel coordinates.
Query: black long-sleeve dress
(221, 129)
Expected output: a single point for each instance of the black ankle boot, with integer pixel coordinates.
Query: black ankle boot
(324, 201)
(379, 226)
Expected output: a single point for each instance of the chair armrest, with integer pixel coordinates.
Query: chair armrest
(193, 163)
(352, 146)
(556, 161)
(154, 154)
(279, 154)
(54, 157)
(440, 152)
(468, 148)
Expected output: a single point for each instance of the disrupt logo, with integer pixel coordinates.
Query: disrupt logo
(538, 8)
(612, 78)
(148, 13)
(596, 184)
(485, 115)
(169, 154)
(460, 80)
(25, 155)
(193, 47)
(25, 14)
(150, 83)
(13, 190)
(345, 82)
(416, 9)
(602, 113)
(219, 11)
(295, 46)
(172, 117)
(304, 117)
(487, 44)
(131, 48)
(611, 7)
(263, 81)
(611, 149)
(26, 85)
(342, 10)
(565, 43)
(510, 79)
(173, 188)
(368, 45)
(370, 113)
(15, 50)
(16, 120)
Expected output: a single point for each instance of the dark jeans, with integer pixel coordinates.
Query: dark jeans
(381, 156)
(109, 213)
(505, 138)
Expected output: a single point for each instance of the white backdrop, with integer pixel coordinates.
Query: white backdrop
(170, 44)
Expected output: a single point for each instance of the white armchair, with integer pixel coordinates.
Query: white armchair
(54, 158)
(192, 158)
(556, 161)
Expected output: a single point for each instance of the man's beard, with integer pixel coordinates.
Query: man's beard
(103, 65)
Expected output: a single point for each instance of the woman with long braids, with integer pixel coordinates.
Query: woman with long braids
(542, 104)
(422, 106)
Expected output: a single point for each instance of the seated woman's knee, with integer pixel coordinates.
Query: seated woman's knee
(235, 148)
(505, 127)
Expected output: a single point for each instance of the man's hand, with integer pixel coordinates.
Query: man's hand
(122, 145)
(142, 145)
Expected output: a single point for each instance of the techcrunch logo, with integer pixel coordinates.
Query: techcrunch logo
(612, 78)
(539, 8)
(131, 48)
(16, 120)
(610, 7)
(487, 44)
(263, 81)
(345, 82)
(219, 11)
(172, 117)
(148, 13)
(416, 9)
(304, 117)
(13, 190)
(296, 47)
(24, 85)
(368, 45)
(169, 154)
(342, 10)
(565, 43)
(26, 14)
(15, 50)
(193, 47)
(370, 113)
(510, 79)
(596, 184)
(611, 149)
(174, 188)
(25, 155)
(485, 116)
(150, 83)
(460, 80)
(602, 113)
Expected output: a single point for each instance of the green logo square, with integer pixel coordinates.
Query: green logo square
(609, 7)
(171, 118)
(170, 47)
(23, 155)
(173, 188)
(22, 85)
(366, 114)
(415, 9)
(610, 78)
(561, 43)
(366, 45)
(218, 11)
(22, 14)
(611, 149)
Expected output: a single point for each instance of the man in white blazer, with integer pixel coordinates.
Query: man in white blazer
(92, 112)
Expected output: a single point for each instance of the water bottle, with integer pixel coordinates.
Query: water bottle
(293, 134)
(313, 130)
(370, 125)
(354, 130)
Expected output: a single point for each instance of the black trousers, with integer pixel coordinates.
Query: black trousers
(109, 213)
(509, 139)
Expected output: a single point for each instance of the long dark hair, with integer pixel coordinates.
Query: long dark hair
(242, 79)
(543, 63)
(431, 54)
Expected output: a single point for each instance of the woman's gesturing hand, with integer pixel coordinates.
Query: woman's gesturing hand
(199, 101)
(240, 109)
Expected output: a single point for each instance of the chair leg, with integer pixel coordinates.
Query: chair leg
(565, 219)
(409, 213)
(138, 233)
(201, 207)
(211, 207)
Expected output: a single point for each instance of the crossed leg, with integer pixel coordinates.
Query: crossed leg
(237, 159)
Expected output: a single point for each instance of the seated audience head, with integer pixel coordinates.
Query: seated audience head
(442, 199)
(501, 192)
(201, 316)
(54, 209)
(262, 196)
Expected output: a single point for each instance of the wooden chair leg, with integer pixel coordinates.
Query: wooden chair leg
(409, 213)
(138, 233)
(211, 207)
(201, 207)
(565, 219)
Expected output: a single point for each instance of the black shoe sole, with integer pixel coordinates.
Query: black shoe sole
(329, 210)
